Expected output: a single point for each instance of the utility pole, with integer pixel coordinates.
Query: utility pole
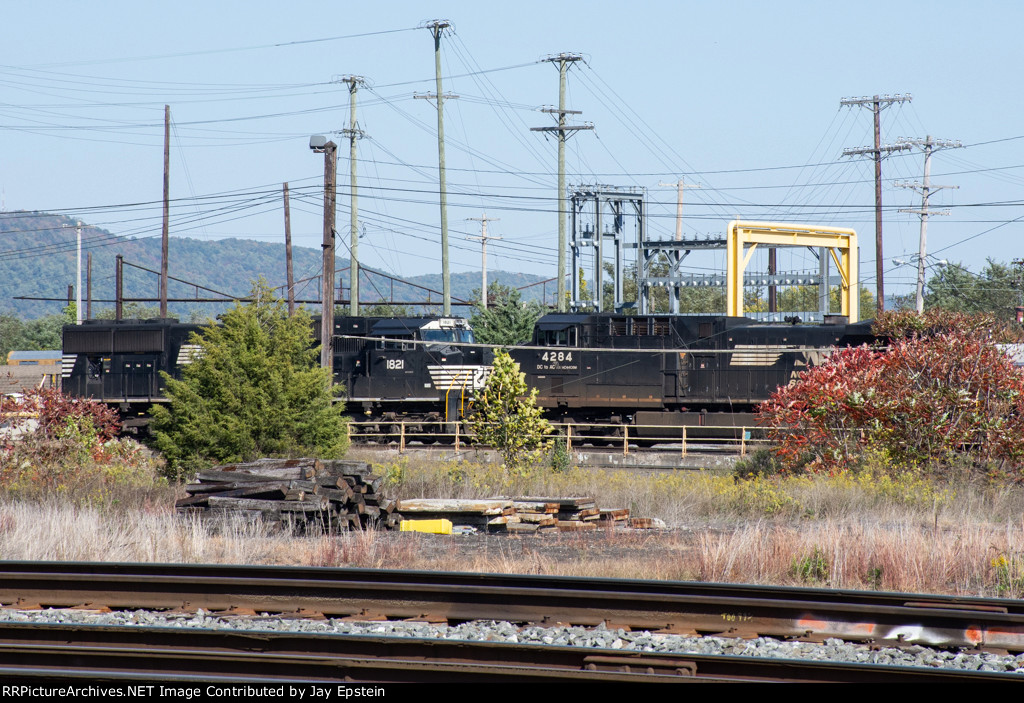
(290, 279)
(119, 288)
(77, 293)
(1018, 265)
(680, 185)
(929, 146)
(876, 104)
(165, 231)
(563, 130)
(88, 286)
(483, 252)
(78, 281)
(330, 152)
(437, 28)
(353, 133)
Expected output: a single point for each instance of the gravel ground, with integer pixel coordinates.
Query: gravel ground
(599, 637)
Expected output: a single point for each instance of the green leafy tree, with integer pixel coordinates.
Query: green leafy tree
(131, 310)
(41, 334)
(956, 289)
(254, 390)
(507, 319)
(382, 310)
(505, 415)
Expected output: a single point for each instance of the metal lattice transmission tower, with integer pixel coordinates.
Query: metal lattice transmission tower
(609, 229)
(928, 146)
(563, 130)
(599, 226)
(353, 133)
(876, 104)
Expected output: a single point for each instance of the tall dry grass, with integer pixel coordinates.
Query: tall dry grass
(853, 531)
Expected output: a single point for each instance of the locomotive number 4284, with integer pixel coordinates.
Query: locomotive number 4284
(556, 356)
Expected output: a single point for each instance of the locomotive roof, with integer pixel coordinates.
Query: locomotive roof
(408, 325)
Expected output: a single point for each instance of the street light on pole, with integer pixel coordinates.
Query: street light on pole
(320, 144)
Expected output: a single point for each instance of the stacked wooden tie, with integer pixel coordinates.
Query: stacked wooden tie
(519, 515)
(576, 514)
(304, 495)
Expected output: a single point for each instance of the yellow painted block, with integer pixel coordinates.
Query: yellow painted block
(434, 527)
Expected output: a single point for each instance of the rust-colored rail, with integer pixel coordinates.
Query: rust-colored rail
(169, 654)
(686, 608)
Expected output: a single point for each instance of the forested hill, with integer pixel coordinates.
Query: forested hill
(37, 258)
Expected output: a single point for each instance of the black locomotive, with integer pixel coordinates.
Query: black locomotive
(420, 369)
(392, 368)
(656, 371)
(649, 371)
(120, 362)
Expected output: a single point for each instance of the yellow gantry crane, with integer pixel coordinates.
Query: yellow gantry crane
(743, 237)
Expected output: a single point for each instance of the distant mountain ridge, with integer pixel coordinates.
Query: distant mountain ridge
(37, 259)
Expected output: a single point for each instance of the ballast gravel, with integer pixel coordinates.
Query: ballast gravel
(596, 637)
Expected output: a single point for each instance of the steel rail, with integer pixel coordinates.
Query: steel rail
(159, 654)
(677, 607)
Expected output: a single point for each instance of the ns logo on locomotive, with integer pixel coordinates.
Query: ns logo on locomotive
(645, 370)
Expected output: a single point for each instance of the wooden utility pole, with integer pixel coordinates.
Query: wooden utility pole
(876, 103)
(483, 252)
(680, 185)
(353, 133)
(165, 231)
(88, 286)
(437, 28)
(928, 145)
(119, 288)
(330, 150)
(290, 279)
(563, 130)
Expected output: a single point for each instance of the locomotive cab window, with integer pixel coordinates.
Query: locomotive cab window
(448, 335)
(558, 338)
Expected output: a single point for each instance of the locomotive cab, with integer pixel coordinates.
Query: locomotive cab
(410, 366)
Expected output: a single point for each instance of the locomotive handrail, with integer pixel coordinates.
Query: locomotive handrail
(685, 437)
(606, 350)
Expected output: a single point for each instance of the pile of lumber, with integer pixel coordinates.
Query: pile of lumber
(578, 513)
(304, 495)
(491, 515)
(518, 515)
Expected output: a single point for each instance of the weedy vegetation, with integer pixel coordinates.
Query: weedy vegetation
(873, 490)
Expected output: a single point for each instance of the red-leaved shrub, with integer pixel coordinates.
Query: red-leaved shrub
(942, 394)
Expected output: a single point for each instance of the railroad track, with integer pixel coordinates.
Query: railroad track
(167, 655)
(667, 607)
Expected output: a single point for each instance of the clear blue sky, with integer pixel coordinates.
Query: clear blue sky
(739, 97)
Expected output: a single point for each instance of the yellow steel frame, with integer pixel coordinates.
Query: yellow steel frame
(834, 239)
